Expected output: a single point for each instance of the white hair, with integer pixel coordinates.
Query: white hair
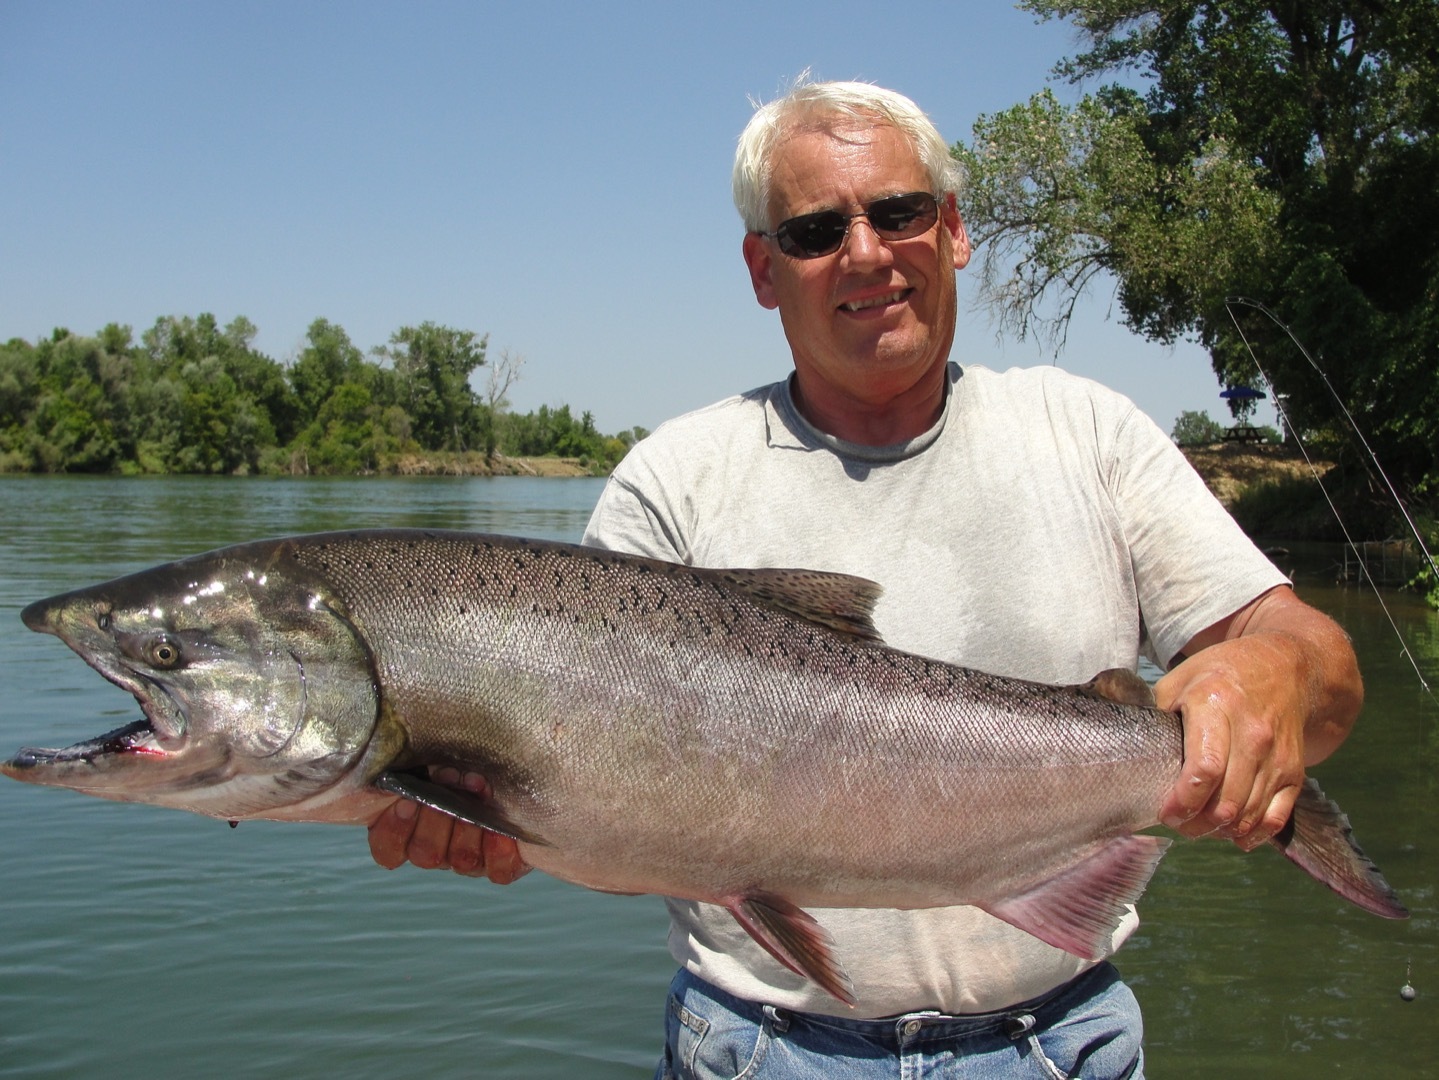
(826, 106)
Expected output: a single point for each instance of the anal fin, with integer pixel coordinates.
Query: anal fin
(793, 937)
(463, 805)
(1079, 909)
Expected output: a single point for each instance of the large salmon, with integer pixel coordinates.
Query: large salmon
(739, 737)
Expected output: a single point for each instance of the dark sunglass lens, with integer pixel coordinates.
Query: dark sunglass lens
(903, 216)
(812, 235)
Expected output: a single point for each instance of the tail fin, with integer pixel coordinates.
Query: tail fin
(1319, 840)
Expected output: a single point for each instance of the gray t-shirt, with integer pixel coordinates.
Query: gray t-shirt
(1044, 528)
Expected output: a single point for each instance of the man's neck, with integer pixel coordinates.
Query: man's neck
(896, 419)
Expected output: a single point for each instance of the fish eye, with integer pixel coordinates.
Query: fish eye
(163, 652)
(103, 620)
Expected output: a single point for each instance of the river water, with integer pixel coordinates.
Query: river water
(138, 942)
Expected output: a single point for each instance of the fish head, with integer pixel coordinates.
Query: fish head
(258, 693)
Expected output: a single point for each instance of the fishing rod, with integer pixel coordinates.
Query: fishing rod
(1229, 303)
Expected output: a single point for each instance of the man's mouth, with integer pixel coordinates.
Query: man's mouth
(869, 302)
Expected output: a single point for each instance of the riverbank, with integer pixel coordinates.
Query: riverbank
(476, 464)
(1231, 470)
(1272, 493)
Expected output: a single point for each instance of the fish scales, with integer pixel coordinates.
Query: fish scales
(755, 716)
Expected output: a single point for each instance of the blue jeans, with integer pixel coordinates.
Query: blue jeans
(1090, 1027)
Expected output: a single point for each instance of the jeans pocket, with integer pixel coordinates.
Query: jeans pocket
(707, 1041)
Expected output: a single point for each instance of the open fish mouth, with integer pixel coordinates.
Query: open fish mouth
(136, 737)
(101, 760)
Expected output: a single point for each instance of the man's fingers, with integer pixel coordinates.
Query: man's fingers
(433, 840)
(503, 863)
(467, 850)
(1271, 821)
(429, 845)
(1192, 803)
(390, 833)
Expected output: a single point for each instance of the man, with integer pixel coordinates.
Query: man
(1028, 523)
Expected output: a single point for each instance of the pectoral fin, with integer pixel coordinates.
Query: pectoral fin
(793, 937)
(458, 804)
(1079, 909)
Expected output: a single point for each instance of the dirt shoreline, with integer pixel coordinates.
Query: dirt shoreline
(1229, 468)
(474, 464)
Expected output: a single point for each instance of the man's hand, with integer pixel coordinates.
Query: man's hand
(1263, 693)
(409, 832)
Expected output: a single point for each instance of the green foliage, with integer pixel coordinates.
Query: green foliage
(1196, 429)
(432, 366)
(192, 396)
(1274, 150)
(1286, 508)
(554, 431)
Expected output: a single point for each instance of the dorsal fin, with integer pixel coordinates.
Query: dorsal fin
(839, 601)
(1121, 685)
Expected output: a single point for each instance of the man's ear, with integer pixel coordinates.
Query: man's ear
(760, 259)
(951, 223)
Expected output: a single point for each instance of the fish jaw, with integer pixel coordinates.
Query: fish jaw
(258, 696)
(129, 764)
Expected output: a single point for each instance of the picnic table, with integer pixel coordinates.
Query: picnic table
(1243, 433)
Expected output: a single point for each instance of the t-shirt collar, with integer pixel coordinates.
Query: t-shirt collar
(788, 429)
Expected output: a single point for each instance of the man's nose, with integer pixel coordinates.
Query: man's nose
(862, 245)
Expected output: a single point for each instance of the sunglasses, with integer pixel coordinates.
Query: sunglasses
(895, 217)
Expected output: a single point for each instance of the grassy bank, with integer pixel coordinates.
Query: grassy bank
(1271, 490)
(443, 463)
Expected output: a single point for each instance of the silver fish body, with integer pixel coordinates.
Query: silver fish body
(739, 737)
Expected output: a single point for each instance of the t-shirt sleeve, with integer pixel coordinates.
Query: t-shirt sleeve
(1193, 565)
(634, 515)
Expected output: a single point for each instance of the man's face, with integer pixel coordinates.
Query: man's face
(873, 321)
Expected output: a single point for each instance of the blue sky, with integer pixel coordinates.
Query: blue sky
(553, 174)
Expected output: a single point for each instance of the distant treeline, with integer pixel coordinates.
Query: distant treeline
(194, 397)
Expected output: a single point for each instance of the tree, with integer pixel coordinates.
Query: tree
(204, 400)
(503, 374)
(327, 361)
(1196, 429)
(1283, 151)
(432, 367)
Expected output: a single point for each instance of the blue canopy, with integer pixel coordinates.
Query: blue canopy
(1242, 393)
